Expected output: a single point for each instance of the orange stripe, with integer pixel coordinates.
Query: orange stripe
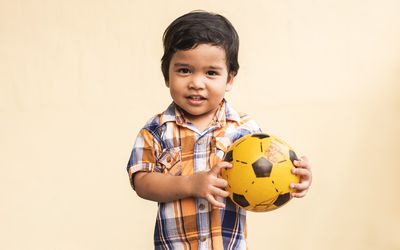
(178, 224)
(148, 154)
(187, 147)
(188, 204)
(216, 230)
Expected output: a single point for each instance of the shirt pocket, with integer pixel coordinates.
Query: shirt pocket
(170, 161)
(221, 147)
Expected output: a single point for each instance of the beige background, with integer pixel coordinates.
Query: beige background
(78, 79)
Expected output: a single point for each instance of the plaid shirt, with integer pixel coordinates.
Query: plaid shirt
(171, 145)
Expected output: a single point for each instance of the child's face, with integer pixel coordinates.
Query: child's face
(198, 80)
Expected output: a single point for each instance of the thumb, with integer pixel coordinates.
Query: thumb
(217, 167)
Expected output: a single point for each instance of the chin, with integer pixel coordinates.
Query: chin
(191, 112)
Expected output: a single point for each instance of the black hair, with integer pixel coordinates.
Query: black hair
(200, 27)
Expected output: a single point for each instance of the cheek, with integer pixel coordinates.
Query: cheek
(218, 93)
(171, 91)
(174, 91)
(223, 87)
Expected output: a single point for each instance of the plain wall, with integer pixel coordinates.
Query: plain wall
(78, 79)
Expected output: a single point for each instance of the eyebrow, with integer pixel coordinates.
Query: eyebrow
(187, 65)
(181, 65)
(216, 67)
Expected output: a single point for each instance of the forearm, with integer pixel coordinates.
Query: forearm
(161, 187)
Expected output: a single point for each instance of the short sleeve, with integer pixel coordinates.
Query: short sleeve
(247, 126)
(144, 154)
(234, 131)
(251, 125)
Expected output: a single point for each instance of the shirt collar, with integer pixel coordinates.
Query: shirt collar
(224, 113)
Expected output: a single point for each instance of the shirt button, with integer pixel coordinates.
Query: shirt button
(200, 142)
(169, 159)
(202, 206)
(203, 238)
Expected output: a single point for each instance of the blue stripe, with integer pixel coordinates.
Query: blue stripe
(232, 236)
(232, 218)
(163, 239)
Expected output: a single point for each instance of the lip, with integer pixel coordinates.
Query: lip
(196, 100)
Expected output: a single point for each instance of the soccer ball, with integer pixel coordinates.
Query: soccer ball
(261, 172)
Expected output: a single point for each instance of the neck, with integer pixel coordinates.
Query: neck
(201, 122)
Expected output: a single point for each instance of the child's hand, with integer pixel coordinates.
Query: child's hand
(303, 170)
(209, 185)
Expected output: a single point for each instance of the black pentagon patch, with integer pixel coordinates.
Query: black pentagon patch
(282, 199)
(293, 156)
(260, 135)
(241, 200)
(262, 167)
(229, 156)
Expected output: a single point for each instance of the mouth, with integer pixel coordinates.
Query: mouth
(196, 97)
(196, 100)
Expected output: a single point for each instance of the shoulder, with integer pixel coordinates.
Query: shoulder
(247, 119)
(247, 123)
(155, 122)
(160, 126)
(242, 120)
(244, 117)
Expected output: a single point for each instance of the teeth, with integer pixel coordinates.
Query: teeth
(196, 98)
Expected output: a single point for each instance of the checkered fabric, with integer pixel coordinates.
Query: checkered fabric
(171, 145)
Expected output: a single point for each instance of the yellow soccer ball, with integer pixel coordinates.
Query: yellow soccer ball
(261, 172)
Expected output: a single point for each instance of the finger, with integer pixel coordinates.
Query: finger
(217, 167)
(230, 164)
(304, 158)
(210, 198)
(220, 199)
(300, 194)
(302, 163)
(304, 173)
(300, 186)
(219, 192)
(221, 183)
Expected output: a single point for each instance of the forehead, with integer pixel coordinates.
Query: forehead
(201, 54)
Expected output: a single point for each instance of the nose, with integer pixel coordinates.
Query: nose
(197, 81)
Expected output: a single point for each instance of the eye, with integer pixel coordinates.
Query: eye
(212, 73)
(183, 70)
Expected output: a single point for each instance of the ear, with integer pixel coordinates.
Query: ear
(229, 81)
(167, 83)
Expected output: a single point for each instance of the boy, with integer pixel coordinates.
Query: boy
(176, 159)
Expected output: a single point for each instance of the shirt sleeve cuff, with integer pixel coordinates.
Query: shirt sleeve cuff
(139, 167)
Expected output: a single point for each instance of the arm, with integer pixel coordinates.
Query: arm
(165, 188)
